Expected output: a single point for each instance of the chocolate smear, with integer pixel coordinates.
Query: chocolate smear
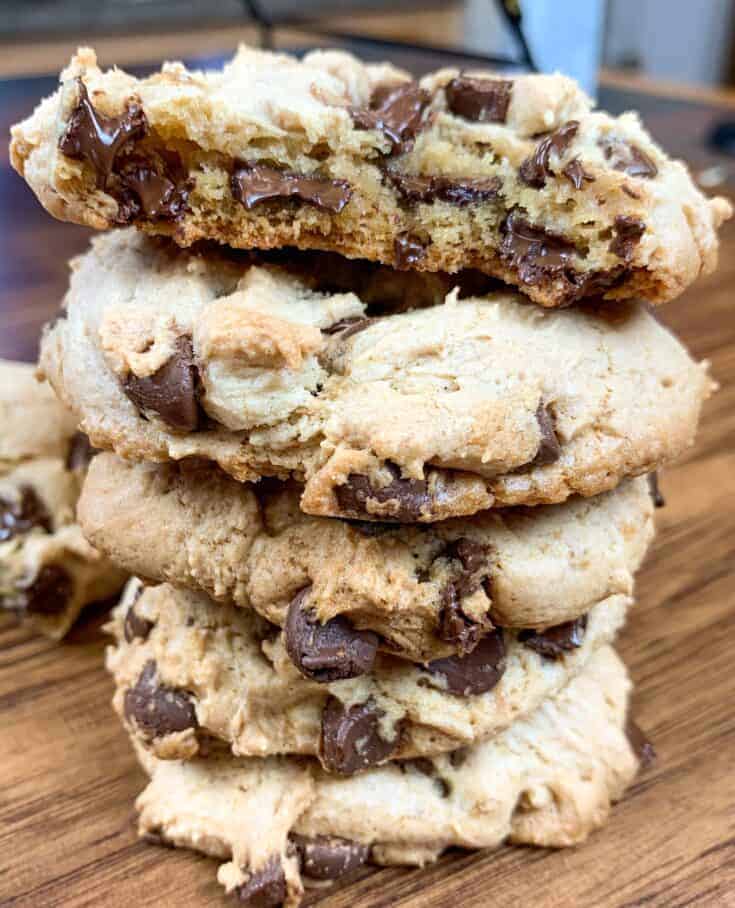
(535, 169)
(98, 139)
(253, 184)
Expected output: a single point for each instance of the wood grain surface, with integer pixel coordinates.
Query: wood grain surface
(68, 779)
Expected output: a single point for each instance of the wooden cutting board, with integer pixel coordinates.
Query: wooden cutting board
(68, 779)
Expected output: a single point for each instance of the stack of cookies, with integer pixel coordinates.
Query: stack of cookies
(378, 406)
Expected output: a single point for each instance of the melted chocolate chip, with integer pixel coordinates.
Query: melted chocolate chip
(346, 327)
(23, 514)
(643, 749)
(535, 169)
(80, 452)
(481, 100)
(171, 391)
(658, 499)
(326, 652)
(351, 739)
(628, 232)
(534, 252)
(265, 888)
(329, 857)
(156, 710)
(555, 641)
(459, 191)
(155, 187)
(475, 673)
(629, 158)
(408, 252)
(549, 449)
(397, 112)
(252, 184)
(407, 497)
(458, 758)
(46, 594)
(93, 137)
(576, 174)
(474, 558)
(134, 624)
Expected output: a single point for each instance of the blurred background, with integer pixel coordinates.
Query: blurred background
(672, 60)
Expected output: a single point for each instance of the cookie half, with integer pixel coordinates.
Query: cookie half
(518, 178)
(48, 570)
(193, 676)
(414, 416)
(548, 780)
(344, 589)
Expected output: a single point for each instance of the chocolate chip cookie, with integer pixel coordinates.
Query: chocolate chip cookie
(194, 676)
(412, 416)
(519, 178)
(344, 589)
(548, 780)
(48, 571)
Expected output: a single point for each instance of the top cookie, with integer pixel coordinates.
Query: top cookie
(518, 178)
(408, 417)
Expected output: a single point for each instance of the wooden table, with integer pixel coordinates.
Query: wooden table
(68, 778)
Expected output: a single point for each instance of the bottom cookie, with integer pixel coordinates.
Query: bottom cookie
(548, 780)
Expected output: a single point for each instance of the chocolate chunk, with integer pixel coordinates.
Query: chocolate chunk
(171, 391)
(156, 710)
(482, 100)
(534, 252)
(351, 739)
(45, 594)
(455, 626)
(628, 232)
(458, 757)
(156, 188)
(629, 158)
(408, 251)
(346, 327)
(252, 184)
(555, 641)
(658, 499)
(576, 174)
(93, 137)
(459, 191)
(643, 749)
(23, 514)
(326, 652)
(265, 888)
(329, 857)
(397, 112)
(535, 169)
(474, 558)
(476, 672)
(549, 449)
(80, 452)
(134, 624)
(407, 497)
